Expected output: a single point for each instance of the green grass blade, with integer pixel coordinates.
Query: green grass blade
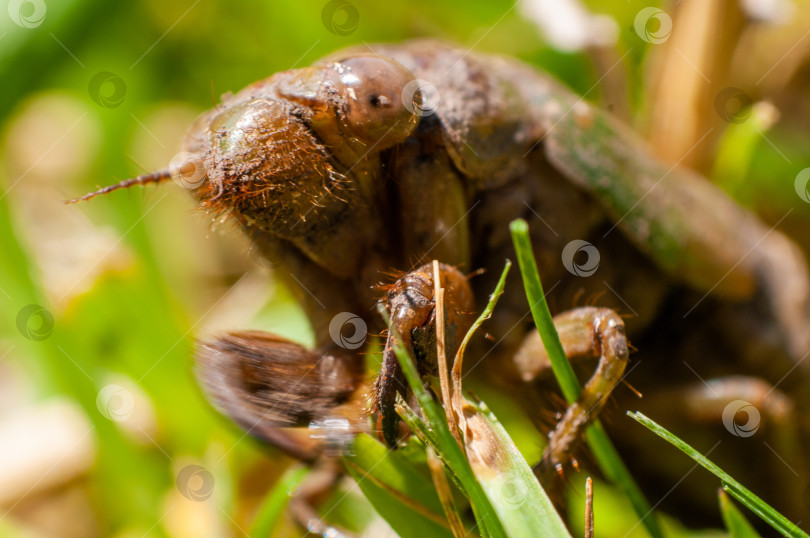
(439, 474)
(425, 436)
(736, 524)
(273, 506)
(765, 512)
(523, 506)
(393, 469)
(734, 488)
(603, 450)
(521, 503)
(399, 492)
(541, 314)
(485, 315)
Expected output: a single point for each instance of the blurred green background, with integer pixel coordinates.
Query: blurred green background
(101, 420)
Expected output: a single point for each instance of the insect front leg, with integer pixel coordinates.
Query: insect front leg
(586, 332)
(267, 384)
(260, 379)
(411, 305)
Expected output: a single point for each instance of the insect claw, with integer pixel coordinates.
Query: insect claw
(477, 272)
(632, 388)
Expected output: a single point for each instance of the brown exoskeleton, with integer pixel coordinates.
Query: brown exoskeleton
(383, 158)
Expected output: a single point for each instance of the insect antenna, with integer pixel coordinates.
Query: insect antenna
(154, 177)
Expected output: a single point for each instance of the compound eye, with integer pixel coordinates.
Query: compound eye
(373, 110)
